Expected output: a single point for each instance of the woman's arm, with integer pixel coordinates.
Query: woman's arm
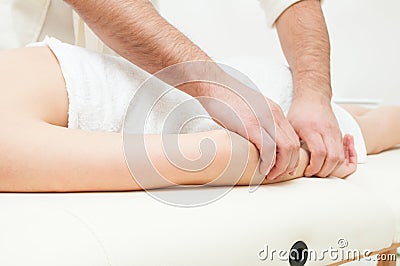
(39, 157)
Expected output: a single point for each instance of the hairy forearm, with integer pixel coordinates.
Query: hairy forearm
(305, 41)
(135, 30)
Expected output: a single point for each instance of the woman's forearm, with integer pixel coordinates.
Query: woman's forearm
(215, 157)
(235, 161)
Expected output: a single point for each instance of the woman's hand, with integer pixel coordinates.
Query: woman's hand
(349, 165)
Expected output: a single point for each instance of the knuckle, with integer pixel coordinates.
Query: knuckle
(313, 124)
(330, 127)
(333, 158)
(284, 148)
(320, 152)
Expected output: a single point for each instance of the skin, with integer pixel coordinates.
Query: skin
(39, 154)
(380, 127)
(137, 32)
(305, 42)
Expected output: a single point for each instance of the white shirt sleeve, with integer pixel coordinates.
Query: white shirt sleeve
(274, 8)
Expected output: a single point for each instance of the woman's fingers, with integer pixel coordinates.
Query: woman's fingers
(353, 158)
(349, 165)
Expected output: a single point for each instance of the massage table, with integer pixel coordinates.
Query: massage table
(132, 228)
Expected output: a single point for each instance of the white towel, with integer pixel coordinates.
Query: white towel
(100, 88)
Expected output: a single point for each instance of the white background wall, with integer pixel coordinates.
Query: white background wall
(365, 36)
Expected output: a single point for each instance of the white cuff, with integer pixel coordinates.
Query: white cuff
(274, 8)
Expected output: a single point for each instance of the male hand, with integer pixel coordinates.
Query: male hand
(315, 123)
(246, 113)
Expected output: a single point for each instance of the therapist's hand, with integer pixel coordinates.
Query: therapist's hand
(315, 123)
(305, 42)
(245, 112)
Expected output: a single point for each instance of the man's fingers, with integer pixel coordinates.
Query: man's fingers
(267, 153)
(279, 168)
(267, 148)
(331, 160)
(284, 156)
(318, 154)
(295, 146)
(294, 162)
(288, 145)
(334, 156)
